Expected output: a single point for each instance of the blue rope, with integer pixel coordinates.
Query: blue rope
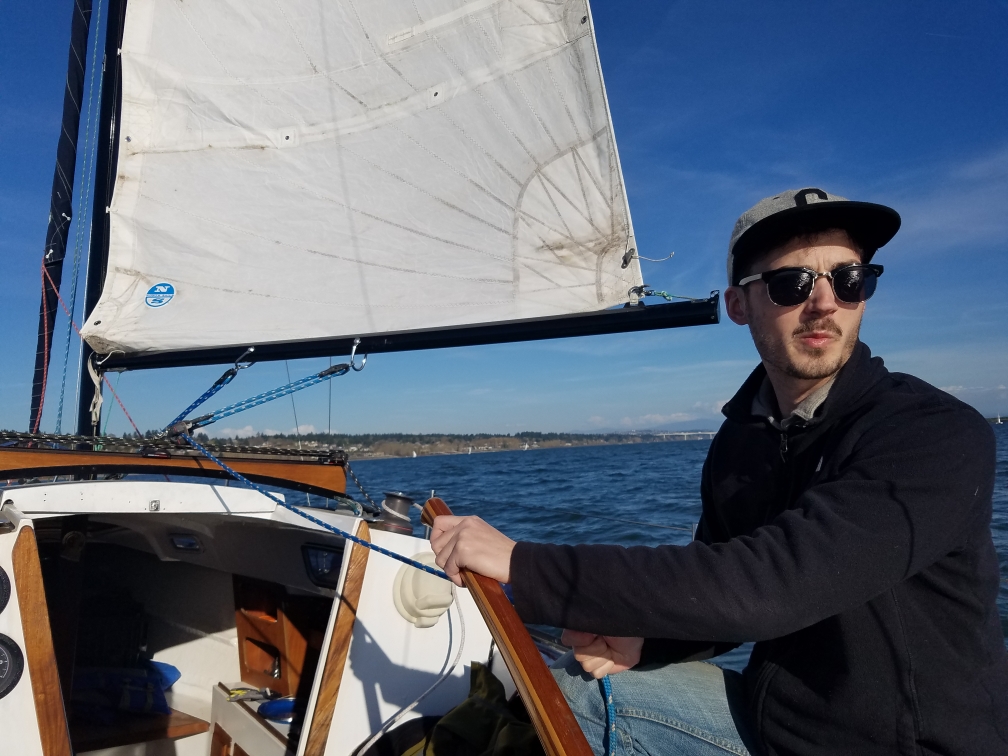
(610, 736)
(221, 382)
(325, 525)
(266, 396)
(83, 198)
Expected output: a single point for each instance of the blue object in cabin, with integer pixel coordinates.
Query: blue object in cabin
(278, 710)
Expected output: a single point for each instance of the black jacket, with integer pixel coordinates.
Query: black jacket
(854, 549)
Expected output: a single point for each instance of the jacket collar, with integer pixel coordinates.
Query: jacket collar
(859, 373)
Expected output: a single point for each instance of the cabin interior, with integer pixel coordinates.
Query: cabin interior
(167, 611)
(223, 600)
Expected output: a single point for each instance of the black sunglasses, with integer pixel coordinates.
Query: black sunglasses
(788, 287)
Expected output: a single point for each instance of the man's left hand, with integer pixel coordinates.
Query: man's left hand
(469, 543)
(602, 655)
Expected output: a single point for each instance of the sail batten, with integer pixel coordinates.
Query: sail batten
(319, 170)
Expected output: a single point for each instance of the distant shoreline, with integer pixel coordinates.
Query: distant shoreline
(398, 445)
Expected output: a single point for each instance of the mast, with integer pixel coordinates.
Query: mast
(61, 203)
(104, 182)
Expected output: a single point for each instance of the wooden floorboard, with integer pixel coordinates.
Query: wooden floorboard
(135, 728)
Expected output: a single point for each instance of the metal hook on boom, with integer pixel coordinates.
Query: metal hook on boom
(353, 352)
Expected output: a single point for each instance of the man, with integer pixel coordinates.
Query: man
(845, 529)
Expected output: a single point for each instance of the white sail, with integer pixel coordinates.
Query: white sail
(323, 168)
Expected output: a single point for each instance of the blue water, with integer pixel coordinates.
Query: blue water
(633, 494)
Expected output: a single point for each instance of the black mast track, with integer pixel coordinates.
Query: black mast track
(627, 319)
(61, 202)
(104, 183)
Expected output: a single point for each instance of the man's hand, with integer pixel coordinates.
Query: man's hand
(602, 655)
(468, 542)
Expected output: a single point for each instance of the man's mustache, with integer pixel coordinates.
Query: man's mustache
(826, 324)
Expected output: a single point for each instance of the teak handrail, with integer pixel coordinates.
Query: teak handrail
(554, 722)
(309, 475)
(339, 647)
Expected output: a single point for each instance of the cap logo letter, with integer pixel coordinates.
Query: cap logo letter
(801, 198)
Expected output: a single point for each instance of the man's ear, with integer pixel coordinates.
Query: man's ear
(736, 305)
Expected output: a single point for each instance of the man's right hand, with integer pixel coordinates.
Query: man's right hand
(602, 655)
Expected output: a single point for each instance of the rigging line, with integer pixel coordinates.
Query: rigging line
(45, 345)
(120, 403)
(610, 738)
(314, 520)
(375, 509)
(330, 400)
(263, 398)
(224, 380)
(647, 291)
(84, 197)
(268, 396)
(297, 427)
(445, 674)
(104, 377)
(108, 417)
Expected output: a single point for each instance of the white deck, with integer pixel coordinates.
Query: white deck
(189, 602)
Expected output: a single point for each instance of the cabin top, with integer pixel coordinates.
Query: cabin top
(28, 457)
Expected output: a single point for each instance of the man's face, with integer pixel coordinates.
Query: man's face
(812, 340)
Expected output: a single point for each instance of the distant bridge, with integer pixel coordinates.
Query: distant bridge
(686, 435)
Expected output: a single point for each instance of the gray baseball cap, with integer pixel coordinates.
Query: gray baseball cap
(773, 221)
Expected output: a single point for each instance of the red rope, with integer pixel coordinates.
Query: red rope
(106, 380)
(45, 348)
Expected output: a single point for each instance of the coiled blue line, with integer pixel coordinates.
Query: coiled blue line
(325, 525)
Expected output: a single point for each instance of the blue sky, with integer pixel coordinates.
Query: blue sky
(715, 104)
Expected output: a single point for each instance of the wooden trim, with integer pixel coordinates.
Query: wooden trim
(276, 627)
(220, 743)
(143, 728)
(39, 655)
(309, 475)
(339, 647)
(558, 730)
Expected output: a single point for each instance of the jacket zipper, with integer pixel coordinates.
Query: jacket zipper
(783, 446)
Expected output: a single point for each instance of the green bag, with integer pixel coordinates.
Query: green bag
(486, 723)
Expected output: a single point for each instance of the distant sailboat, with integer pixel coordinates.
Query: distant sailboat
(414, 454)
(998, 421)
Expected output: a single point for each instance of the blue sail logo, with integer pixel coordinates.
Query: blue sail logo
(160, 294)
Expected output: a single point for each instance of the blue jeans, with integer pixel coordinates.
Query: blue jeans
(688, 709)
